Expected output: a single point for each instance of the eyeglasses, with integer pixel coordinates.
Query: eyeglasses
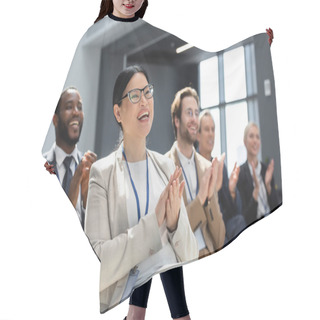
(134, 95)
(190, 113)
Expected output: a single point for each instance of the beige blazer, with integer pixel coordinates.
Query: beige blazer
(120, 248)
(209, 217)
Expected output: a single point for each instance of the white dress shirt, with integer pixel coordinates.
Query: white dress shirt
(263, 205)
(166, 255)
(190, 177)
(60, 156)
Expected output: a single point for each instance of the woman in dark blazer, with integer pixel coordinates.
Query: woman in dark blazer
(256, 184)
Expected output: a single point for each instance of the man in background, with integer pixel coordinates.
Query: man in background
(64, 159)
(229, 196)
(201, 176)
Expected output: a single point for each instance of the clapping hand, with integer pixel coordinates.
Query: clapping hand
(233, 180)
(208, 182)
(204, 185)
(49, 167)
(270, 34)
(255, 192)
(86, 162)
(173, 204)
(220, 172)
(81, 177)
(165, 195)
(216, 178)
(268, 176)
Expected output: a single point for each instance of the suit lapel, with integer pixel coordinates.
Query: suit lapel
(249, 178)
(200, 170)
(119, 196)
(161, 168)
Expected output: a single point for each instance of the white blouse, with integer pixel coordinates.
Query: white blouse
(166, 255)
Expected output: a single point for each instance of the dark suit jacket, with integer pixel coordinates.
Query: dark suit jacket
(51, 158)
(245, 186)
(231, 210)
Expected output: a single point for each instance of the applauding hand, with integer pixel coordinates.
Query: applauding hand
(255, 192)
(88, 159)
(204, 185)
(220, 172)
(268, 176)
(215, 175)
(173, 204)
(162, 202)
(81, 177)
(49, 167)
(233, 180)
(270, 34)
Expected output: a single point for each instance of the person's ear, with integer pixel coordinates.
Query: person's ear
(55, 120)
(176, 121)
(116, 112)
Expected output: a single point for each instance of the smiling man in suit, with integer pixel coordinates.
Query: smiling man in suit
(71, 168)
(203, 178)
(229, 196)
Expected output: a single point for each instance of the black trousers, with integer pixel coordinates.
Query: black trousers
(172, 281)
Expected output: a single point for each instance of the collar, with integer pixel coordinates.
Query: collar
(258, 168)
(164, 169)
(119, 155)
(111, 16)
(60, 155)
(182, 157)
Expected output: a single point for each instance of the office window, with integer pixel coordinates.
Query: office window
(223, 90)
(216, 152)
(234, 74)
(236, 121)
(209, 89)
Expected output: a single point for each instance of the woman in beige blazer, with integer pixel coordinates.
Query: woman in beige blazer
(136, 220)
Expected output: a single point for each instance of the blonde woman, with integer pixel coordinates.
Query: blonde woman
(256, 184)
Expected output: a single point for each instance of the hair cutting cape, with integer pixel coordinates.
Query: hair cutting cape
(236, 85)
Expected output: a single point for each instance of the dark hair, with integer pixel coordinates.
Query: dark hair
(62, 93)
(122, 81)
(106, 7)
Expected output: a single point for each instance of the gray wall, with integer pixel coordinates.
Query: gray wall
(268, 120)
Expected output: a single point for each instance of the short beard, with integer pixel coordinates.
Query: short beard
(64, 135)
(185, 136)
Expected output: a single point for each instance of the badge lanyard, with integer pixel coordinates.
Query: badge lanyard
(134, 188)
(185, 177)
